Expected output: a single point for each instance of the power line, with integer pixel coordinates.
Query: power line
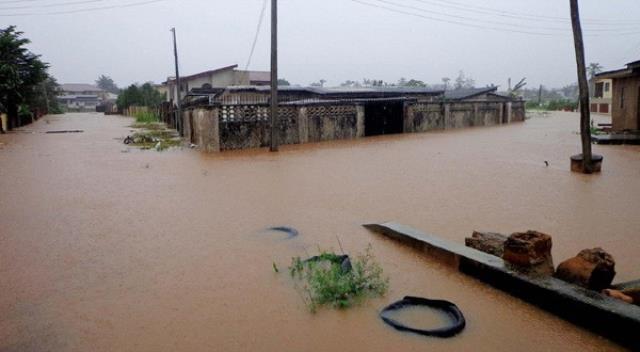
(538, 32)
(450, 21)
(91, 9)
(490, 10)
(51, 5)
(258, 29)
(518, 25)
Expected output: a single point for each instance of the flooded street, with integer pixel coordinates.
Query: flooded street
(110, 248)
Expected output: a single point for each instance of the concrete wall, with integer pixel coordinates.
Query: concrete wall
(422, 117)
(227, 127)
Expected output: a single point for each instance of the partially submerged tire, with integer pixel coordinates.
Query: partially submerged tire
(457, 318)
(343, 260)
(290, 231)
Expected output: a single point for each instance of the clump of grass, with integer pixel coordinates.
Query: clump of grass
(156, 138)
(146, 117)
(328, 282)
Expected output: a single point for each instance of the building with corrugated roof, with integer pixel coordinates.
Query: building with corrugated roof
(625, 96)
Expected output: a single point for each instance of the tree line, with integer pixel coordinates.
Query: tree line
(26, 87)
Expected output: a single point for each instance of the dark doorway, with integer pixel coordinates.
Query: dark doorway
(383, 118)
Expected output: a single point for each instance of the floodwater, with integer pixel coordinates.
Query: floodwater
(104, 248)
(424, 318)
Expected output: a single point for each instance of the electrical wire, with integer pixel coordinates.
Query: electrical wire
(255, 38)
(526, 17)
(83, 10)
(51, 5)
(538, 31)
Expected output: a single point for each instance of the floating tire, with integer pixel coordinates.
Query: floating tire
(343, 260)
(458, 321)
(290, 231)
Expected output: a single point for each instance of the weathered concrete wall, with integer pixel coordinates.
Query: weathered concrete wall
(424, 117)
(205, 131)
(227, 127)
(329, 122)
(429, 116)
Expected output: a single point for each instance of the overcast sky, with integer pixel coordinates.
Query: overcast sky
(334, 40)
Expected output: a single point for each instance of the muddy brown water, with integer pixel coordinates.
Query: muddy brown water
(104, 249)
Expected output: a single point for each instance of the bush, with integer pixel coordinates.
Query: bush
(553, 105)
(328, 283)
(146, 117)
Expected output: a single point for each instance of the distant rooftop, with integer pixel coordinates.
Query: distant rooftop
(80, 87)
(459, 94)
(631, 70)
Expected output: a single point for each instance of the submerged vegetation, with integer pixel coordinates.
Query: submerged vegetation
(143, 117)
(335, 280)
(152, 134)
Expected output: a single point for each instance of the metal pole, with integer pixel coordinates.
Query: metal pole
(178, 86)
(274, 76)
(585, 113)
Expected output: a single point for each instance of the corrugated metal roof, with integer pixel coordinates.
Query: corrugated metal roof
(459, 94)
(80, 87)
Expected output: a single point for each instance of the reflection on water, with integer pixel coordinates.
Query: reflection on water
(423, 318)
(108, 249)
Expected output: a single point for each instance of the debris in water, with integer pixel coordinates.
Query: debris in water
(288, 230)
(458, 322)
(64, 131)
(331, 279)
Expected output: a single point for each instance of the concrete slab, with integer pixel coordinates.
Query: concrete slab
(617, 138)
(606, 316)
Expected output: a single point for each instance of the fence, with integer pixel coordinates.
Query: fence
(239, 126)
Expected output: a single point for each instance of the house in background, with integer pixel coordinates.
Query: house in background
(218, 78)
(81, 97)
(476, 94)
(602, 95)
(625, 97)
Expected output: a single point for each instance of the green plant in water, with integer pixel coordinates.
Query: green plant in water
(146, 117)
(328, 282)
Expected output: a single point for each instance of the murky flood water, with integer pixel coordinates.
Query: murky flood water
(107, 250)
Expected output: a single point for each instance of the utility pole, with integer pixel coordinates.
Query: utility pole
(46, 96)
(540, 96)
(275, 126)
(178, 86)
(585, 114)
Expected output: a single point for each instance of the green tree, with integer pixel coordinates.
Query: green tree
(464, 82)
(144, 95)
(21, 72)
(592, 70)
(415, 83)
(283, 82)
(107, 84)
(45, 95)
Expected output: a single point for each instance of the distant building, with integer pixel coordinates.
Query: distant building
(218, 78)
(625, 96)
(602, 96)
(476, 94)
(81, 97)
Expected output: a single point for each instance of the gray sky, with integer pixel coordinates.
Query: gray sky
(331, 39)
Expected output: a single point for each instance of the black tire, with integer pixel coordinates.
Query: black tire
(458, 321)
(290, 231)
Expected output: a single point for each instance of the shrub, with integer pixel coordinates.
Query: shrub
(146, 117)
(328, 283)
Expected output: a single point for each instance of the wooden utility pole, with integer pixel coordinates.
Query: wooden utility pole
(178, 86)
(585, 114)
(275, 126)
(540, 96)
